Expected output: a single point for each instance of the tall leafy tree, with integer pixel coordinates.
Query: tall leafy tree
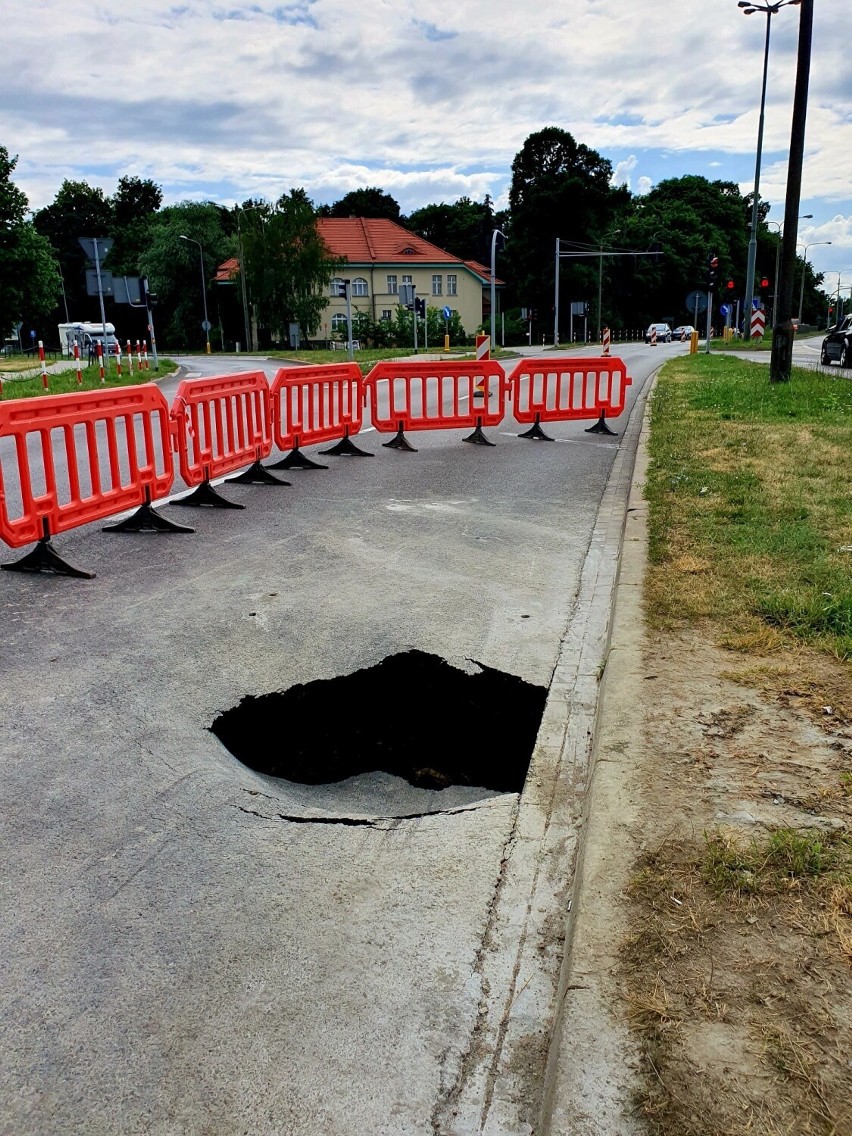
(368, 202)
(287, 264)
(463, 228)
(560, 188)
(181, 272)
(134, 205)
(78, 210)
(29, 274)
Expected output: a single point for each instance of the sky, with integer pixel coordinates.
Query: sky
(225, 101)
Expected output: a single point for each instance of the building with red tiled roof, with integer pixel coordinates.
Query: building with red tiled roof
(380, 257)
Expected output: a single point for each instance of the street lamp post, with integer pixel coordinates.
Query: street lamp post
(780, 224)
(804, 269)
(246, 321)
(770, 9)
(614, 233)
(203, 287)
(494, 235)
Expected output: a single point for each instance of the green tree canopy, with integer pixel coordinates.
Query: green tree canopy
(463, 228)
(29, 274)
(368, 202)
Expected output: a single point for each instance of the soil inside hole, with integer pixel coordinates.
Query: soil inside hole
(413, 715)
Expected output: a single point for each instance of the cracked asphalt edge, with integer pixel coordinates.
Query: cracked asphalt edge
(511, 1080)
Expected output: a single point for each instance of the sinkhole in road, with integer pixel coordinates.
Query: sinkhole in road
(413, 715)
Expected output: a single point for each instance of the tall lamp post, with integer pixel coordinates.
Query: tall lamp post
(804, 269)
(206, 324)
(770, 9)
(614, 233)
(494, 235)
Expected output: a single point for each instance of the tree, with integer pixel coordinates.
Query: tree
(463, 228)
(29, 274)
(174, 267)
(134, 205)
(559, 188)
(78, 210)
(368, 202)
(287, 264)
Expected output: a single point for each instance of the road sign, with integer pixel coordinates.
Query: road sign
(758, 324)
(723, 309)
(206, 325)
(126, 289)
(88, 246)
(448, 313)
(696, 302)
(92, 282)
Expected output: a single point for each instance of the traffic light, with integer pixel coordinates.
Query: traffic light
(712, 271)
(533, 314)
(149, 299)
(341, 288)
(764, 282)
(730, 285)
(420, 306)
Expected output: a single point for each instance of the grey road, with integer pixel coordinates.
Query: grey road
(192, 946)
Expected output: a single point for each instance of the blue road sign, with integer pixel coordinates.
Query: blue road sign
(723, 309)
(448, 312)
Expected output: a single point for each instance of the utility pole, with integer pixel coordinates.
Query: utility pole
(781, 361)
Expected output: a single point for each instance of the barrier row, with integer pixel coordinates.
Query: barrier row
(87, 456)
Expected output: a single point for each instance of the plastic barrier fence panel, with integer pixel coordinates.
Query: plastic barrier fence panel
(322, 403)
(429, 395)
(69, 459)
(568, 388)
(220, 425)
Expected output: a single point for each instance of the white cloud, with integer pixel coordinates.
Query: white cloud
(256, 96)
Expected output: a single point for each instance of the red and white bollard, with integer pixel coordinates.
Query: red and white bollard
(605, 341)
(118, 358)
(653, 337)
(129, 359)
(100, 350)
(145, 354)
(43, 365)
(78, 364)
(138, 355)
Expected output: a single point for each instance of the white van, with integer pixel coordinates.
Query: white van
(87, 335)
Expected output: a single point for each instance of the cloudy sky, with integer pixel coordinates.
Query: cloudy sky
(430, 102)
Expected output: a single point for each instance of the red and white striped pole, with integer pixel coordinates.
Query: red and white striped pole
(138, 355)
(145, 354)
(118, 357)
(129, 359)
(78, 364)
(43, 365)
(100, 350)
(605, 340)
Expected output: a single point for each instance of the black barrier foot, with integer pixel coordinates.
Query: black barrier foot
(536, 433)
(205, 494)
(257, 475)
(146, 519)
(45, 558)
(400, 442)
(346, 448)
(296, 460)
(477, 437)
(600, 427)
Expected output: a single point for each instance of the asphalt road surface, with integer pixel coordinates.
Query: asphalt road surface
(191, 946)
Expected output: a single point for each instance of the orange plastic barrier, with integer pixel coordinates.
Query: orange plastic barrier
(76, 458)
(322, 403)
(566, 388)
(424, 395)
(221, 424)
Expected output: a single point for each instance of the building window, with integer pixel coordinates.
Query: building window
(437, 282)
(338, 324)
(386, 313)
(452, 284)
(359, 286)
(406, 280)
(393, 290)
(336, 286)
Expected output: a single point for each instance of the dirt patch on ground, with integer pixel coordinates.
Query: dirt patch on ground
(735, 976)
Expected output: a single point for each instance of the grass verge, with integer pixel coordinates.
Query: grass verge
(65, 382)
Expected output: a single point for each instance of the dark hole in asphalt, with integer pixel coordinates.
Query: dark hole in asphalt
(413, 715)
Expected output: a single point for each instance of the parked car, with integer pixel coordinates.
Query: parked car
(664, 333)
(837, 345)
(683, 331)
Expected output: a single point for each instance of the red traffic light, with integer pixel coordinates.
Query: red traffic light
(764, 283)
(730, 285)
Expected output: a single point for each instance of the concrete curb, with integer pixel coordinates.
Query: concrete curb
(594, 1060)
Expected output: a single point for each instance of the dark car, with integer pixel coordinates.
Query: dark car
(837, 345)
